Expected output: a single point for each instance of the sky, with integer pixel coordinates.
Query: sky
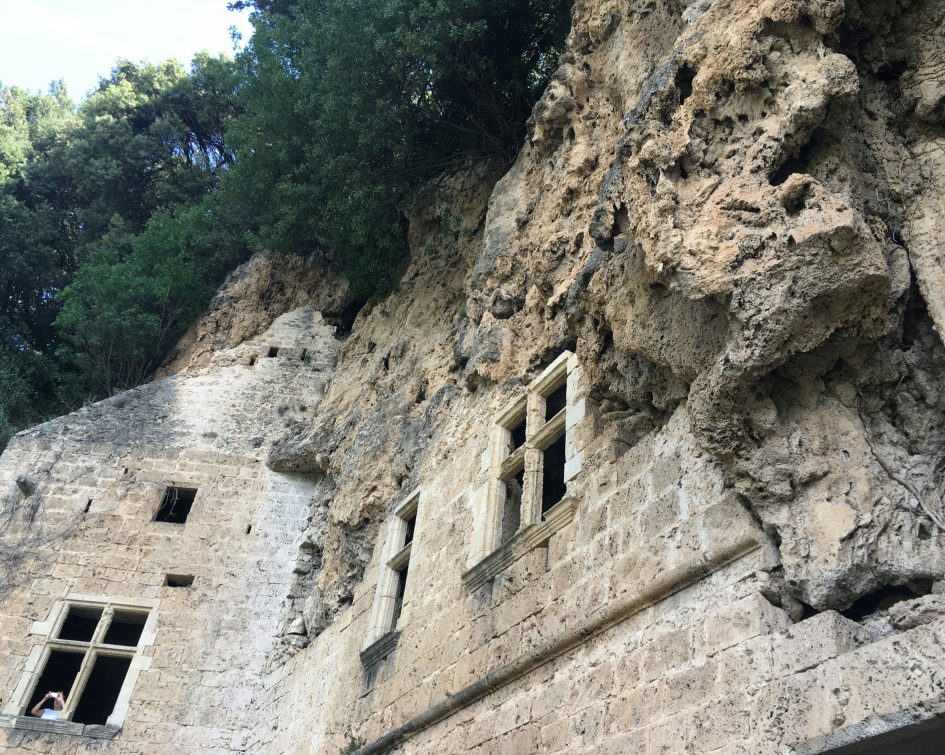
(80, 40)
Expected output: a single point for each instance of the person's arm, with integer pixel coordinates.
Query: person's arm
(38, 708)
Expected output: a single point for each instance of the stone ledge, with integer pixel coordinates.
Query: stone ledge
(523, 541)
(379, 649)
(47, 726)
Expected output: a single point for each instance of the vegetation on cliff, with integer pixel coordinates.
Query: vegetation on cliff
(120, 216)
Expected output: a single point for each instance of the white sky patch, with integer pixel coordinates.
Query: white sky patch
(80, 40)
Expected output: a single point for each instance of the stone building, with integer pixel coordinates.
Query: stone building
(644, 455)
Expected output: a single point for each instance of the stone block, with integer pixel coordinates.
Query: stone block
(730, 625)
(815, 640)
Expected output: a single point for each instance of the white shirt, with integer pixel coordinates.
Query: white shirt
(50, 713)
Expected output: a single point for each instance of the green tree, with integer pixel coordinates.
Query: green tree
(352, 104)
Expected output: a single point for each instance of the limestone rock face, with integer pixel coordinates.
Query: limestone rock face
(727, 224)
(734, 206)
(250, 300)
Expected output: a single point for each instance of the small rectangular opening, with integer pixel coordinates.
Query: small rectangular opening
(411, 523)
(304, 356)
(176, 504)
(556, 401)
(125, 628)
(252, 360)
(60, 672)
(552, 475)
(273, 352)
(88, 506)
(512, 509)
(179, 580)
(80, 623)
(517, 435)
(399, 594)
(101, 690)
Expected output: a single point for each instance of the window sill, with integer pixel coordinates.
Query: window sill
(523, 541)
(379, 649)
(47, 726)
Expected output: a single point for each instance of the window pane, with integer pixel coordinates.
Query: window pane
(411, 526)
(125, 628)
(58, 676)
(556, 401)
(101, 690)
(512, 510)
(80, 623)
(399, 596)
(552, 476)
(517, 435)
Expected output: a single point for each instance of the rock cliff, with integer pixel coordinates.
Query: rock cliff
(732, 207)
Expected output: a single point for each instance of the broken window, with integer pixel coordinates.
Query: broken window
(175, 505)
(87, 656)
(392, 597)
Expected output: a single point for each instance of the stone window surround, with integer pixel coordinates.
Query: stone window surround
(382, 633)
(16, 716)
(489, 556)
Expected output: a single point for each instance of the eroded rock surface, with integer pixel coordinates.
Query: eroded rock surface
(733, 206)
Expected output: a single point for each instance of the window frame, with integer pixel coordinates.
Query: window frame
(492, 551)
(385, 622)
(18, 703)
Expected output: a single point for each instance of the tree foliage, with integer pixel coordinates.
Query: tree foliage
(107, 249)
(119, 216)
(350, 105)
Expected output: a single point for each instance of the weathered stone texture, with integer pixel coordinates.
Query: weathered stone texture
(730, 213)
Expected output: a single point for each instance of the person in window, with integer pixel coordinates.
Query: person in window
(59, 702)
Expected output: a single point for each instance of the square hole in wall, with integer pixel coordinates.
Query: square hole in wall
(273, 351)
(176, 504)
(179, 580)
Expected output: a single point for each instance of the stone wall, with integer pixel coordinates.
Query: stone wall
(100, 475)
(726, 212)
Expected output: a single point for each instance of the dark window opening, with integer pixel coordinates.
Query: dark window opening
(552, 476)
(125, 628)
(101, 690)
(556, 401)
(176, 505)
(88, 506)
(411, 527)
(273, 352)
(399, 595)
(518, 435)
(80, 623)
(252, 360)
(179, 580)
(59, 675)
(512, 510)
